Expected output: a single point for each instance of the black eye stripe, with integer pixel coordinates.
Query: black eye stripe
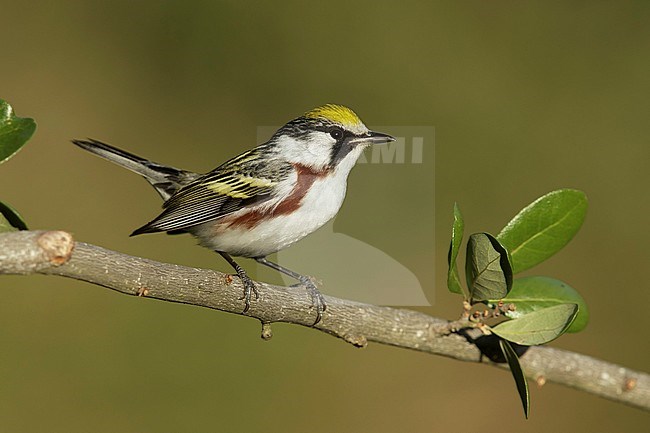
(336, 133)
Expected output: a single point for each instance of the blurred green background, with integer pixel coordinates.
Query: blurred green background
(525, 97)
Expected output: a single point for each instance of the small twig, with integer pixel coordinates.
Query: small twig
(55, 253)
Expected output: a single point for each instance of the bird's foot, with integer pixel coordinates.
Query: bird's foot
(317, 299)
(249, 285)
(249, 289)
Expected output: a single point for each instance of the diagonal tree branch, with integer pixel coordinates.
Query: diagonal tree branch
(56, 253)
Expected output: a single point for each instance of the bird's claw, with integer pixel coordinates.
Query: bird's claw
(317, 299)
(249, 290)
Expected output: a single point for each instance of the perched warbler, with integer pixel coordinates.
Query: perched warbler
(265, 199)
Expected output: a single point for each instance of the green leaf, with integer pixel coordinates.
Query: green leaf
(517, 374)
(453, 280)
(538, 327)
(543, 227)
(14, 131)
(10, 219)
(487, 268)
(535, 293)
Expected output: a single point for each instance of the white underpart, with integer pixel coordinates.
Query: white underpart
(321, 203)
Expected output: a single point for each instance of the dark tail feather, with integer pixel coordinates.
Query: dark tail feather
(118, 156)
(144, 229)
(166, 180)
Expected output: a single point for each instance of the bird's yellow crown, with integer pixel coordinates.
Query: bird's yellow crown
(337, 114)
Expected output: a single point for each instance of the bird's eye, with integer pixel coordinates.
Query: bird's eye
(336, 133)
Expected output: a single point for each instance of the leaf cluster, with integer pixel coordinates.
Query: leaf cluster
(525, 311)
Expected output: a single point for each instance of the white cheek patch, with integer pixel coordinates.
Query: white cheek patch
(313, 151)
(320, 147)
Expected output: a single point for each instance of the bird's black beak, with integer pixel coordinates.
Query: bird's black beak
(377, 138)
